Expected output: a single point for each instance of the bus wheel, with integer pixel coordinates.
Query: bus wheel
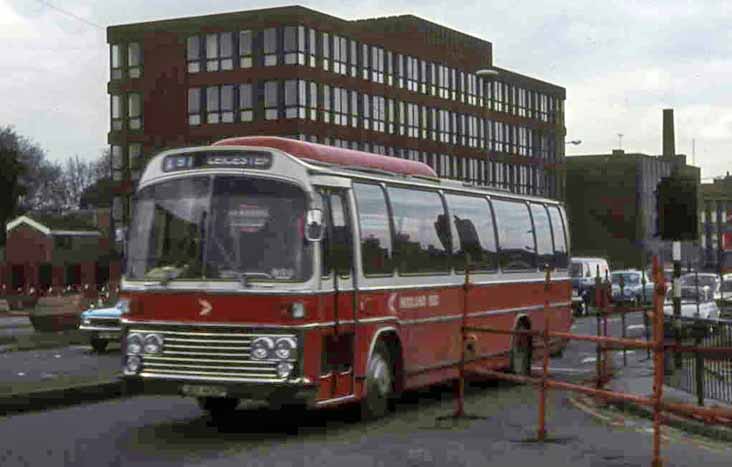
(218, 407)
(99, 345)
(521, 353)
(379, 384)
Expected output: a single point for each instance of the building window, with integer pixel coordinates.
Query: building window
(295, 99)
(246, 102)
(294, 45)
(412, 73)
(194, 106)
(377, 64)
(220, 104)
(340, 52)
(353, 58)
(134, 111)
(193, 54)
(312, 48)
(134, 152)
(246, 49)
(365, 68)
(340, 106)
(354, 108)
(389, 68)
(312, 102)
(117, 209)
(390, 116)
(118, 165)
(115, 61)
(379, 114)
(366, 112)
(134, 60)
(326, 51)
(270, 47)
(212, 52)
(326, 104)
(271, 101)
(116, 107)
(399, 68)
(423, 76)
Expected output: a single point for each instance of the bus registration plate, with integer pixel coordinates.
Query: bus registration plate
(203, 391)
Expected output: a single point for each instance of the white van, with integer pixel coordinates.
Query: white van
(582, 272)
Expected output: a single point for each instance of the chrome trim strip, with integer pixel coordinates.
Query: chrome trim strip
(452, 363)
(456, 284)
(434, 319)
(99, 328)
(230, 325)
(295, 382)
(336, 400)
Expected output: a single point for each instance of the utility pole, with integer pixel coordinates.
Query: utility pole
(677, 300)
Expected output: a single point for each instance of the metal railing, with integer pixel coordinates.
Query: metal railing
(706, 376)
(659, 345)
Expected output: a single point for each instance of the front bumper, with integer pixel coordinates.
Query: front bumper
(300, 391)
(98, 331)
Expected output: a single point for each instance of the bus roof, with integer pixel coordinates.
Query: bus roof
(333, 155)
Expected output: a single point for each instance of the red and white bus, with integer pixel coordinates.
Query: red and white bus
(279, 270)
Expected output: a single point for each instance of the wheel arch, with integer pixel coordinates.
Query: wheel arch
(392, 339)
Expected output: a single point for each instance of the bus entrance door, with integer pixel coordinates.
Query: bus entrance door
(337, 374)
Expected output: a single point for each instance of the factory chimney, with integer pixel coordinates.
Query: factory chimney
(669, 140)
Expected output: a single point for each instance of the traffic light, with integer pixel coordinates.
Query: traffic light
(676, 203)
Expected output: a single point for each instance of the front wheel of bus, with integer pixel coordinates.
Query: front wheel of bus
(218, 407)
(521, 353)
(379, 384)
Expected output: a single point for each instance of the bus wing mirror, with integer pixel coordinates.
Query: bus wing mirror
(314, 227)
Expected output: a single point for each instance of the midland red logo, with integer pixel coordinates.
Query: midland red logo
(205, 307)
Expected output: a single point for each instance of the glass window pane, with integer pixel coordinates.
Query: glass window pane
(515, 235)
(473, 231)
(270, 41)
(270, 94)
(194, 100)
(212, 45)
(376, 248)
(212, 99)
(421, 237)
(559, 235)
(133, 54)
(245, 42)
(116, 58)
(544, 247)
(245, 96)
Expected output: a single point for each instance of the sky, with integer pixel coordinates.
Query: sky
(621, 63)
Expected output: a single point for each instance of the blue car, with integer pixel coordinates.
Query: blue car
(103, 324)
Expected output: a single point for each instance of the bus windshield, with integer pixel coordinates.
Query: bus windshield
(219, 227)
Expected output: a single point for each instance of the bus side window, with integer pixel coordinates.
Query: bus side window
(544, 240)
(515, 235)
(341, 244)
(375, 226)
(561, 257)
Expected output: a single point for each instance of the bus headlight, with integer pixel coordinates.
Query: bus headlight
(285, 348)
(133, 364)
(153, 343)
(284, 369)
(135, 344)
(261, 348)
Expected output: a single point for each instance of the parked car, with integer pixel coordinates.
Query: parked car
(707, 309)
(707, 285)
(103, 324)
(582, 272)
(633, 289)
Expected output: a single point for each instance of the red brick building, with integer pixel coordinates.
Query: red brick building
(401, 86)
(45, 251)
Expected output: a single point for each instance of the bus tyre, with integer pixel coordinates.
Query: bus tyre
(521, 353)
(218, 407)
(99, 345)
(379, 384)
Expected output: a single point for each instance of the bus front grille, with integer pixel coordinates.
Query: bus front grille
(207, 353)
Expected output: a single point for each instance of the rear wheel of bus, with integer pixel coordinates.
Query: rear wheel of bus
(379, 383)
(521, 352)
